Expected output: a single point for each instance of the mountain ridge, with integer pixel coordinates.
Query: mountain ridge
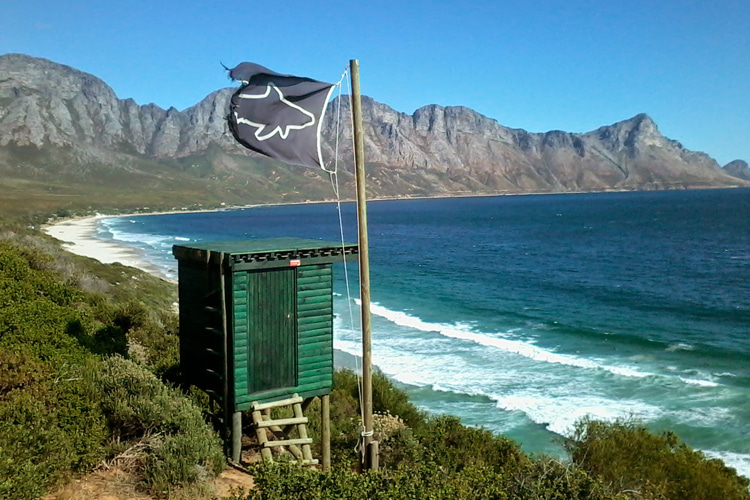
(53, 111)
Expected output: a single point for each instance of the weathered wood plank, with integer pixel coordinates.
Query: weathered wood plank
(315, 321)
(308, 312)
(287, 442)
(302, 429)
(314, 373)
(325, 431)
(318, 292)
(309, 305)
(314, 381)
(308, 373)
(317, 284)
(279, 431)
(262, 437)
(317, 332)
(315, 363)
(320, 351)
(311, 348)
(316, 270)
(275, 404)
(307, 275)
(317, 299)
(244, 400)
(283, 421)
(320, 287)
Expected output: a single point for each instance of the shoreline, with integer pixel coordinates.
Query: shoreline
(78, 236)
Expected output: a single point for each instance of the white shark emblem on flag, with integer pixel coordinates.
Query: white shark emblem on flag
(277, 115)
(282, 130)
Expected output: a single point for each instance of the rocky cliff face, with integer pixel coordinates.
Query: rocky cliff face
(739, 169)
(436, 150)
(459, 142)
(48, 104)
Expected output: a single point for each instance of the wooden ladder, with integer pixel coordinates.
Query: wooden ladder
(273, 433)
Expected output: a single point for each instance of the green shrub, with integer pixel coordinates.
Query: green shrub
(49, 425)
(386, 397)
(390, 404)
(630, 458)
(537, 480)
(283, 481)
(550, 479)
(160, 340)
(20, 369)
(454, 446)
(180, 448)
(63, 407)
(46, 433)
(397, 443)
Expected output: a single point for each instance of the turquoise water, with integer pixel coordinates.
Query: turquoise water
(523, 314)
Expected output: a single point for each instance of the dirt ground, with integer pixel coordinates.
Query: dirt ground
(116, 484)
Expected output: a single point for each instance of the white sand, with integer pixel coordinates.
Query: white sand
(79, 237)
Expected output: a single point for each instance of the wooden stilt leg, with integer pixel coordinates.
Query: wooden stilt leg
(325, 428)
(374, 455)
(236, 436)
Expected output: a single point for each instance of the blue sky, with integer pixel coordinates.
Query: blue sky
(538, 65)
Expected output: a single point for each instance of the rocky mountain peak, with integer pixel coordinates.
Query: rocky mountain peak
(646, 126)
(25, 73)
(436, 149)
(633, 135)
(739, 169)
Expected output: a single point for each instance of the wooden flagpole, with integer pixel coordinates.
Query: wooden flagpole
(369, 447)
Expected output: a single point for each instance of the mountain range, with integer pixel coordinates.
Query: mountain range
(66, 132)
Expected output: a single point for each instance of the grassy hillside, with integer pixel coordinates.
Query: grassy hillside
(35, 183)
(81, 358)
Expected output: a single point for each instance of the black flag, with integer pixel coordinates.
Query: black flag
(278, 115)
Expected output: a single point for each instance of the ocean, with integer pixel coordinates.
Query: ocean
(523, 314)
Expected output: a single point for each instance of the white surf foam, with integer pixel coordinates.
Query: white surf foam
(680, 346)
(699, 382)
(464, 332)
(704, 416)
(348, 346)
(156, 249)
(559, 414)
(524, 348)
(141, 239)
(739, 461)
(550, 397)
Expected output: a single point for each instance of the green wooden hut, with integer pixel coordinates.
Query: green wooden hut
(256, 319)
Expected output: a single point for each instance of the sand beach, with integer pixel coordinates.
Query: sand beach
(79, 237)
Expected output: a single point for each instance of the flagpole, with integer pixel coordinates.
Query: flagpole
(369, 447)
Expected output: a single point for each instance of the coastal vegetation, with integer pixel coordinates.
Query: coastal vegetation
(79, 384)
(89, 360)
(89, 378)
